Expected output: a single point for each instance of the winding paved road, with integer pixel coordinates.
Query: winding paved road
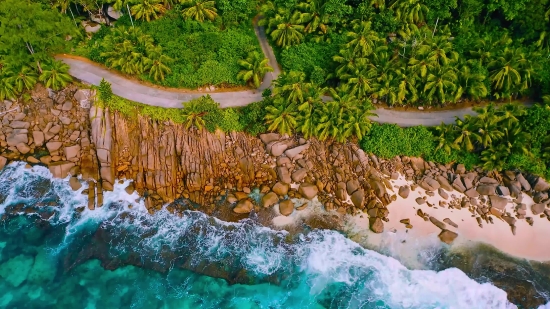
(92, 73)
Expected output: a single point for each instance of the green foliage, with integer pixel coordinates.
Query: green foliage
(252, 117)
(105, 91)
(55, 75)
(30, 33)
(254, 68)
(389, 140)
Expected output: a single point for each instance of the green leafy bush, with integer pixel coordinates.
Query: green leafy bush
(252, 117)
(389, 140)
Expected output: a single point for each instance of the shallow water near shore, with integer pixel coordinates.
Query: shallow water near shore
(55, 253)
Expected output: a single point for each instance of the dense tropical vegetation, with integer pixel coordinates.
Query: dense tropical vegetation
(413, 52)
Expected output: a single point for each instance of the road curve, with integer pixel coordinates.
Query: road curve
(130, 89)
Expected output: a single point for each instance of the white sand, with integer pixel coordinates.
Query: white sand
(531, 242)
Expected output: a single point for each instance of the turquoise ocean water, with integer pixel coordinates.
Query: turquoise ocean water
(54, 253)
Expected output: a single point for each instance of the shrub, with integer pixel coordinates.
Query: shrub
(389, 140)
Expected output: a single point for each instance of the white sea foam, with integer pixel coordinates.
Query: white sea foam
(316, 264)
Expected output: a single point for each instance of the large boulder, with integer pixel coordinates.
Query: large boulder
(376, 225)
(307, 190)
(23, 148)
(352, 186)
(243, 207)
(458, 185)
(61, 169)
(284, 174)
(280, 189)
(286, 207)
(502, 190)
(444, 183)
(498, 202)
(524, 183)
(38, 137)
(438, 223)
(429, 184)
(72, 152)
(460, 169)
(488, 180)
(270, 199)
(278, 148)
(537, 209)
(270, 137)
(13, 139)
(447, 236)
(404, 191)
(487, 189)
(540, 185)
(471, 193)
(299, 175)
(114, 14)
(378, 187)
(418, 164)
(53, 146)
(293, 152)
(358, 198)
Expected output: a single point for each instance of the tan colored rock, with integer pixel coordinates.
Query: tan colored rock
(46, 160)
(284, 174)
(298, 175)
(404, 191)
(20, 125)
(450, 222)
(358, 198)
(447, 236)
(243, 207)
(130, 188)
(438, 223)
(270, 137)
(33, 160)
(60, 169)
(498, 202)
(74, 183)
(280, 189)
(269, 199)
(72, 152)
(307, 190)
(23, 148)
(14, 139)
(53, 146)
(3, 162)
(38, 137)
(286, 207)
(292, 153)
(376, 225)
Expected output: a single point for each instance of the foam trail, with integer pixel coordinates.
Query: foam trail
(318, 267)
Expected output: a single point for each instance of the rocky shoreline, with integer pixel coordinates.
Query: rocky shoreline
(67, 133)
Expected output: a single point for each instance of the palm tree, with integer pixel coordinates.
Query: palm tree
(63, 5)
(199, 10)
(515, 139)
(281, 117)
(56, 75)
(362, 81)
(348, 62)
(25, 79)
(467, 135)
(494, 158)
(510, 112)
(506, 72)
(156, 64)
(362, 40)
(410, 11)
(445, 137)
(126, 58)
(407, 87)
(331, 121)
(358, 121)
(441, 85)
(388, 89)
(472, 83)
(148, 9)
(307, 117)
(193, 115)
(314, 15)
(488, 129)
(287, 34)
(441, 50)
(254, 68)
(290, 86)
(7, 90)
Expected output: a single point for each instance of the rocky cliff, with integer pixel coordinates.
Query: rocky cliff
(73, 137)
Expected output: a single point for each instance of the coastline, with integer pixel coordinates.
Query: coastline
(528, 243)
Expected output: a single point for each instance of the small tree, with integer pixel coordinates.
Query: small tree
(105, 91)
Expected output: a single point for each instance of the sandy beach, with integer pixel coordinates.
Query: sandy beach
(530, 242)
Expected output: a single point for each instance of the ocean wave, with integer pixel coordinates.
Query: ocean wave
(317, 269)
